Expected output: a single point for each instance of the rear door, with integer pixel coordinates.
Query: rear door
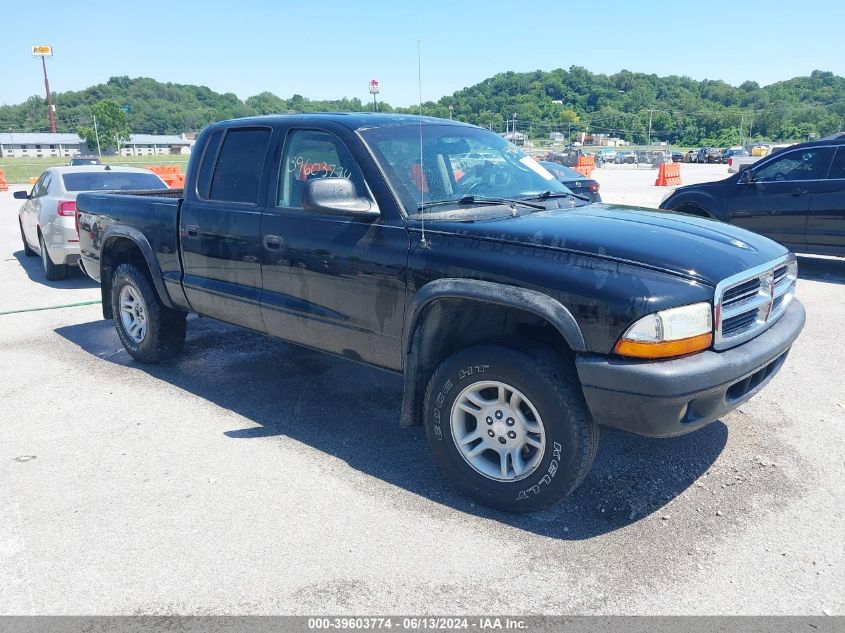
(220, 227)
(826, 221)
(333, 282)
(776, 200)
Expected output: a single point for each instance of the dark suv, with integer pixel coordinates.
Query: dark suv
(795, 197)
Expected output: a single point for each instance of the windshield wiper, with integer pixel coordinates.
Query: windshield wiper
(548, 194)
(468, 200)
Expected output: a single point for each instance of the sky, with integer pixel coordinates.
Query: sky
(327, 49)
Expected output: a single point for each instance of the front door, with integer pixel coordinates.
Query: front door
(333, 282)
(220, 229)
(775, 200)
(826, 221)
(32, 209)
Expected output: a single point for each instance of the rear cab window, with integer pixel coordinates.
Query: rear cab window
(239, 165)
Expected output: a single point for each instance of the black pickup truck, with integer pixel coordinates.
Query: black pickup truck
(522, 317)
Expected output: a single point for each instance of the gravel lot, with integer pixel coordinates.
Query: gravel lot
(251, 476)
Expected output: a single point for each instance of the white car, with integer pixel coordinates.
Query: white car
(48, 217)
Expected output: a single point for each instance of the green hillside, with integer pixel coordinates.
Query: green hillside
(682, 110)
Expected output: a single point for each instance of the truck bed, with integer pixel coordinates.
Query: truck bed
(154, 214)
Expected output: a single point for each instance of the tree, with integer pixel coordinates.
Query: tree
(112, 126)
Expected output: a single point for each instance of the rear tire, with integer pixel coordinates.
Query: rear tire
(150, 331)
(53, 272)
(27, 249)
(528, 444)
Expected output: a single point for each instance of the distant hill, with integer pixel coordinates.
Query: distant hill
(682, 110)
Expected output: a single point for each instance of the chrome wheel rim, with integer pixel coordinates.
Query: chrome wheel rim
(133, 313)
(498, 431)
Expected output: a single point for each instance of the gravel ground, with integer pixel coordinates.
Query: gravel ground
(250, 476)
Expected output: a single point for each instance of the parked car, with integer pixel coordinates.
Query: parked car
(691, 156)
(577, 183)
(737, 151)
(521, 318)
(625, 158)
(795, 197)
(711, 155)
(677, 157)
(48, 217)
(78, 161)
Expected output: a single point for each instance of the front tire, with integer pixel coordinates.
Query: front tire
(53, 272)
(150, 331)
(510, 428)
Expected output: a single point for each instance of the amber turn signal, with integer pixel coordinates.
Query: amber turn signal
(664, 349)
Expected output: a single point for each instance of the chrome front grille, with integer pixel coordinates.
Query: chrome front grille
(748, 303)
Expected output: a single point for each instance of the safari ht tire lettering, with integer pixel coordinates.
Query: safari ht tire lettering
(551, 413)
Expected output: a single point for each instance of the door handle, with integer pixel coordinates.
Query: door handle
(192, 230)
(798, 192)
(272, 242)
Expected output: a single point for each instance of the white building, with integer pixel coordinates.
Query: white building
(48, 145)
(156, 145)
(40, 145)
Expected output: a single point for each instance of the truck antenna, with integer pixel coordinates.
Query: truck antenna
(423, 241)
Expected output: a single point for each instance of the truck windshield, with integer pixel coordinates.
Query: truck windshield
(111, 181)
(457, 161)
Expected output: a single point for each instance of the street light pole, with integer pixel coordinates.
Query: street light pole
(49, 97)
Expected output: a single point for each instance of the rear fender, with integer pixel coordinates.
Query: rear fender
(111, 237)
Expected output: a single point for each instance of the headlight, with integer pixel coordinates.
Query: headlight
(668, 333)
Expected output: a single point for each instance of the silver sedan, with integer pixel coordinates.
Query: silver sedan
(48, 217)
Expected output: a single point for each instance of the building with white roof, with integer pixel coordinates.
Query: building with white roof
(40, 145)
(156, 144)
(48, 145)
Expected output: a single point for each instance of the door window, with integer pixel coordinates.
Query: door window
(237, 171)
(803, 164)
(837, 168)
(311, 154)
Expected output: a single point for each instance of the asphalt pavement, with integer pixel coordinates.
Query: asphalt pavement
(252, 476)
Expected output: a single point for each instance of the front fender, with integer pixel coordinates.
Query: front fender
(532, 301)
(707, 202)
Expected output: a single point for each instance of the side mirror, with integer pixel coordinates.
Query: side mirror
(21, 195)
(337, 196)
(746, 176)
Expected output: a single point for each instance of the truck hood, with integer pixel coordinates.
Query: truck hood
(688, 246)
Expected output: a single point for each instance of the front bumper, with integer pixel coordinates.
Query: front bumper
(672, 397)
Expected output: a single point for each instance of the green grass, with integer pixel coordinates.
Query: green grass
(20, 170)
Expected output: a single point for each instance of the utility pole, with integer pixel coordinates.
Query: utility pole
(97, 136)
(450, 112)
(49, 98)
(741, 127)
(650, 113)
